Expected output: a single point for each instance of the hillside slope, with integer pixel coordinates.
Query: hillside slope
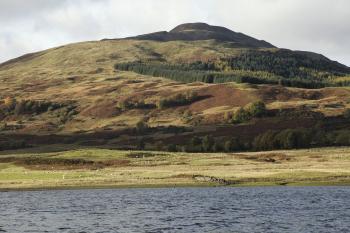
(75, 94)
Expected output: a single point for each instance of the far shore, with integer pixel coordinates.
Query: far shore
(91, 168)
(193, 185)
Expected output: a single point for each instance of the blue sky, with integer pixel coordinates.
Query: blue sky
(321, 26)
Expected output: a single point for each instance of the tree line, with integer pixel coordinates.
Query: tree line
(207, 73)
(288, 64)
(10, 105)
(270, 140)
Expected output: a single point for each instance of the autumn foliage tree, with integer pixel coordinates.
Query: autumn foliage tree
(10, 102)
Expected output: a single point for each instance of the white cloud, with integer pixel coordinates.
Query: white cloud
(317, 25)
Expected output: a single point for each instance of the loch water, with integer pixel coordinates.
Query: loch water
(219, 209)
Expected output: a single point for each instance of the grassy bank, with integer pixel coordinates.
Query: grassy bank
(45, 168)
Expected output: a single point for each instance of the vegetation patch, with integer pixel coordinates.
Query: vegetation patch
(178, 100)
(300, 138)
(39, 163)
(13, 144)
(266, 157)
(13, 106)
(252, 110)
(128, 104)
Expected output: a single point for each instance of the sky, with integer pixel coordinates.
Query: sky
(321, 26)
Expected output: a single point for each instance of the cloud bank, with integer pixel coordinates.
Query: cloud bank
(321, 26)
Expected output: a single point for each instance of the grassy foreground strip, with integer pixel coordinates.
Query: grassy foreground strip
(93, 168)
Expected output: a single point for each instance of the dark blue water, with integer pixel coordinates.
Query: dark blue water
(261, 209)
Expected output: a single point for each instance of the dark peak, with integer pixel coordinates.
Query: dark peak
(203, 31)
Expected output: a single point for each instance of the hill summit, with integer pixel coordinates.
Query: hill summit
(203, 31)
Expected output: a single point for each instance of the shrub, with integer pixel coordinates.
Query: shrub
(207, 143)
(227, 146)
(123, 105)
(240, 116)
(256, 109)
(293, 138)
(342, 138)
(347, 113)
(141, 144)
(161, 104)
(232, 145)
(20, 107)
(141, 126)
(187, 115)
(195, 141)
(10, 103)
(287, 139)
(217, 146)
(265, 141)
(228, 116)
(172, 148)
(127, 104)
(3, 126)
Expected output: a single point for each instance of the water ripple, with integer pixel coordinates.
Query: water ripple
(261, 209)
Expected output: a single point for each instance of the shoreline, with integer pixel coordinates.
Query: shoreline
(193, 185)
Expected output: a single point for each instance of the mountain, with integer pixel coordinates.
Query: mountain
(169, 90)
(203, 31)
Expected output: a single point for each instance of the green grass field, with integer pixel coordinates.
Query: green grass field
(93, 168)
